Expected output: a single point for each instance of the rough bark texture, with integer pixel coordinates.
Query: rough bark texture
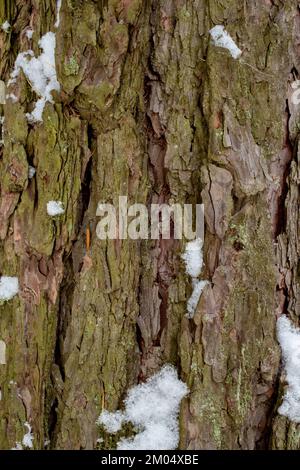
(149, 108)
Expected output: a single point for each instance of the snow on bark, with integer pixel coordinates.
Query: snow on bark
(41, 74)
(31, 172)
(222, 39)
(9, 287)
(193, 258)
(27, 441)
(29, 33)
(289, 340)
(28, 437)
(153, 409)
(5, 26)
(55, 208)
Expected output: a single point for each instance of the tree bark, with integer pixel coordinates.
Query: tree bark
(149, 108)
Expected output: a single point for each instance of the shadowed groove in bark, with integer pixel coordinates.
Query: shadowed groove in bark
(293, 149)
(66, 296)
(151, 108)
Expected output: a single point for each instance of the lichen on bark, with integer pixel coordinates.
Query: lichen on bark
(150, 109)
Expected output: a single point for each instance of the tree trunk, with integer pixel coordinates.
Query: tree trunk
(151, 109)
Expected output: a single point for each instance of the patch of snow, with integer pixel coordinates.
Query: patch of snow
(222, 39)
(20, 63)
(153, 409)
(55, 208)
(192, 303)
(156, 436)
(2, 353)
(112, 422)
(40, 72)
(58, 7)
(289, 340)
(37, 114)
(9, 287)
(2, 119)
(5, 26)
(193, 257)
(28, 437)
(31, 172)
(29, 33)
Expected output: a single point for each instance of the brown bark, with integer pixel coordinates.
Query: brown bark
(151, 109)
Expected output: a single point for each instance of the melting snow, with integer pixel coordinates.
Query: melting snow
(9, 287)
(289, 340)
(55, 208)
(222, 39)
(153, 409)
(40, 72)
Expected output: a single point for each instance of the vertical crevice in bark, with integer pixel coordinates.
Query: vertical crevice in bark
(285, 434)
(72, 262)
(54, 392)
(150, 108)
(290, 149)
(153, 318)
